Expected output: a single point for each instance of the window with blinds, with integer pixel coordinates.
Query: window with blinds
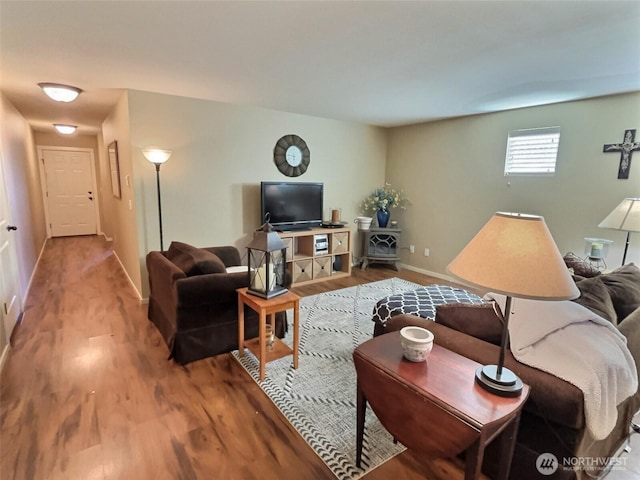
(532, 151)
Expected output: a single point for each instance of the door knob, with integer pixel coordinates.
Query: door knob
(11, 227)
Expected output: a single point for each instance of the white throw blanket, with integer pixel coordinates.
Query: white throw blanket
(571, 342)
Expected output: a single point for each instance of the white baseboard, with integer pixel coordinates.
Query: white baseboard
(423, 271)
(430, 273)
(5, 354)
(33, 273)
(108, 239)
(133, 285)
(24, 295)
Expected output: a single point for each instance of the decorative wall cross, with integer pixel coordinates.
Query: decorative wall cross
(626, 149)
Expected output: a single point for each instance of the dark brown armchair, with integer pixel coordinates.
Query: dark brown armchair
(193, 301)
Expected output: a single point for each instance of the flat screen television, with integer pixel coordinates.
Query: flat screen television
(291, 205)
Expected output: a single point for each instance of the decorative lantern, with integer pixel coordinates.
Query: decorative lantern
(267, 261)
(596, 249)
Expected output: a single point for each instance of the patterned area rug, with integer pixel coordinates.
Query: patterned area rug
(319, 398)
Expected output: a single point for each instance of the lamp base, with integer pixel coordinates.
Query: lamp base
(506, 385)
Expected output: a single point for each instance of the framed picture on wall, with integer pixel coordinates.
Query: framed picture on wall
(114, 168)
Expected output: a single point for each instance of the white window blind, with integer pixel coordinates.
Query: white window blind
(532, 151)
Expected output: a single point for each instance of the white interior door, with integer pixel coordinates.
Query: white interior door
(70, 192)
(10, 303)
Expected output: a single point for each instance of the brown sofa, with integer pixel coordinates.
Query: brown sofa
(553, 418)
(194, 304)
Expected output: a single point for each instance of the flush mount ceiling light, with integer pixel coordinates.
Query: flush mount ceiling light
(59, 92)
(65, 129)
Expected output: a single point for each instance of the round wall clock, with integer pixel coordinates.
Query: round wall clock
(291, 155)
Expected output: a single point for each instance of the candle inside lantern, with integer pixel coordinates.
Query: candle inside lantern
(596, 250)
(261, 277)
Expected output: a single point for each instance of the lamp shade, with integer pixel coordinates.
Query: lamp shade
(156, 155)
(514, 254)
(625, 216)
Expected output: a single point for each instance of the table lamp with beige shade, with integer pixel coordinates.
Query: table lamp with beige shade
(625, 217)
(513, 254)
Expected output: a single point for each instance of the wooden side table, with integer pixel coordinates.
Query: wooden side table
(264, 308)
(434, 407)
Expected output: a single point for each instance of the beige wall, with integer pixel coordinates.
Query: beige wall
(452, 171)
(23, 190)
(221, 152)
(120, 213)
(52, 139)
(26, 211)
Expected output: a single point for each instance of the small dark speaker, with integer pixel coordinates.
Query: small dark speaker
(337, 264)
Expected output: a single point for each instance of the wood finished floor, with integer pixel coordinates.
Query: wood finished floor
(87, 391)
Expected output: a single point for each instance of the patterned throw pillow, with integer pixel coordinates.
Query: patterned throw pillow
(579, 266)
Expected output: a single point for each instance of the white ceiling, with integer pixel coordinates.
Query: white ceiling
(377, 62)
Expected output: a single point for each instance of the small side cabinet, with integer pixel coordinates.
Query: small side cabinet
(381, 245)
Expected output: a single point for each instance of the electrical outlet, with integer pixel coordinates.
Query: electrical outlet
(426, 252)
(412, 249)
